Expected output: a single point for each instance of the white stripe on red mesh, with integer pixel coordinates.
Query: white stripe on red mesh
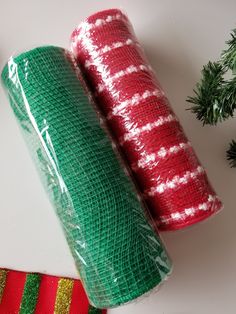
(129, 70)
(162, 153)
(147, 127)
(176, 181)
(191, 211)
(86, 26)
(97, 53)
(135, 100)
(108, 19)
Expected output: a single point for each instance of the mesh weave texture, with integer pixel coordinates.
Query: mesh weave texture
(118, 255)
(168, 173)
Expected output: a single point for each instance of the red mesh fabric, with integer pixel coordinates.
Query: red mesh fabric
(164, 165)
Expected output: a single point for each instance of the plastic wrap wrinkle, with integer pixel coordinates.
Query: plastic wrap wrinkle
(163, 163)
(117, 253)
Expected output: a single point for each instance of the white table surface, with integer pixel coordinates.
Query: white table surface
(179, 37)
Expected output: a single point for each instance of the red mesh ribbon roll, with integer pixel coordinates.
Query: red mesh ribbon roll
(164, 165)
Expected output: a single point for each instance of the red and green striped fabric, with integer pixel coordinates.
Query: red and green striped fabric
(32, 293)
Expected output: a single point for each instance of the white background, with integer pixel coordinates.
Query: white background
(179, 37)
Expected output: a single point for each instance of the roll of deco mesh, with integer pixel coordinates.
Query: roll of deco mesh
(118, 255)
(170, 178)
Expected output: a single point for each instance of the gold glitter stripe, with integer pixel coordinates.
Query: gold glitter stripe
(3, 278)
(63, 298)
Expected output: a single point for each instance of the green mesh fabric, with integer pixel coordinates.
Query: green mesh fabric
(118, 255)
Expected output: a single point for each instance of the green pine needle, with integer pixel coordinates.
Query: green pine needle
(228, 97)
(228, 56)
(231, 154)
(214, 97)
(208, 103)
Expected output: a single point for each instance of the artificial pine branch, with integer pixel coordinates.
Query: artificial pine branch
(214, 97)
(231, 154)
(228, 56)
(207, 103)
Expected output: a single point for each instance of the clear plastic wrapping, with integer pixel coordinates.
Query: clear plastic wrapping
(117, 253)
(170, 178)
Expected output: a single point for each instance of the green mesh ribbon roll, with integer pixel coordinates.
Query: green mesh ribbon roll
(118, 255)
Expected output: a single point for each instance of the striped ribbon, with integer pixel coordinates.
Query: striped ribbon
(163, 164)
(32, 293)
